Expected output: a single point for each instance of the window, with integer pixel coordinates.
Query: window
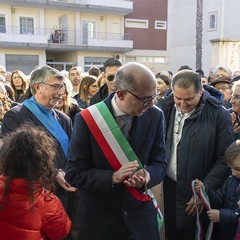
(136, 23)
(26, 25)
(212, 21)
(2, 23)
(160, 24)
(88, 31)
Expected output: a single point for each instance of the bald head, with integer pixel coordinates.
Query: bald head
(133, 76)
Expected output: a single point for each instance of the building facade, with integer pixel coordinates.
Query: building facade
(220, 36)
(62, 33)
(147, 26)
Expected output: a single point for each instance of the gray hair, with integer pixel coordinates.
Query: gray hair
(2, 88)
(42, 74)
(236, 84)
(186, 79)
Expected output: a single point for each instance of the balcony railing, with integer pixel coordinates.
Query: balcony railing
(64, 37)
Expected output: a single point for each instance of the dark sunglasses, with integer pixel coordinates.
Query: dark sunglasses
(110, 77)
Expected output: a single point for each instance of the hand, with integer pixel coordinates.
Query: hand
(63, 183)
(191, 209)
(214, 215)
(138, 179)
(198, 185)
(127, 169)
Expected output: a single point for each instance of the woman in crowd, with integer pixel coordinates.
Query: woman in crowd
(88, 87)
(163, 84)
(67, 104)
(28, 208)
(19, 84)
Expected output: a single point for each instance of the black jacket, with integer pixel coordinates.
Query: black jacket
(100, 95)
(205, 136)
(225, 199)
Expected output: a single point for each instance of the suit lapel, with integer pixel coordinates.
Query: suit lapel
(139, 131)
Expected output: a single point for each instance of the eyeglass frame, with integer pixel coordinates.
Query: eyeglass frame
(144, 101)
(56, 87)
(224, 88)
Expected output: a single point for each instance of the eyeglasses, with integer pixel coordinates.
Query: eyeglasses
(56, 87)
(235, 97)
(110, 77)
(223, 88)
(144, 100)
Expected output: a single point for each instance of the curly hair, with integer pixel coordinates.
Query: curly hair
(28, 153)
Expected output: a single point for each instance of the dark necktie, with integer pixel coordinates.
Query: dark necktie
(125, 122)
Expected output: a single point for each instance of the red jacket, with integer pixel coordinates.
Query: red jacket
(45, 218)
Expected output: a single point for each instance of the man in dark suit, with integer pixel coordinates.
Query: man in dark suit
(47, 87)
(109, 208)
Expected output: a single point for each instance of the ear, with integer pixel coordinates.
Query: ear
(37, 87)
(120, 95)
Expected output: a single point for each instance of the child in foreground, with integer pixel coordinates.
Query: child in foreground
(28, 208)
(224, 200)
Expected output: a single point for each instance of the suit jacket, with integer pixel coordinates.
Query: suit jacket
(20, 114)
(107, 211)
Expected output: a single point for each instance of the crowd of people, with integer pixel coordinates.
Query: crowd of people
(82, 150)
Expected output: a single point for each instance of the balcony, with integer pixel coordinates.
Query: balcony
(64, 40)
(118, 7)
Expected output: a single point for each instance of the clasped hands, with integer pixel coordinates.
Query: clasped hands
(129, 175)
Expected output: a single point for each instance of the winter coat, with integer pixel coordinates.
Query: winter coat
(225, 199)
(44, 218)
(205, 136)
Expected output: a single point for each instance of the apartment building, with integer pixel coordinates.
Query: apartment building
(220, 35)
(147, 27)
(63, 33)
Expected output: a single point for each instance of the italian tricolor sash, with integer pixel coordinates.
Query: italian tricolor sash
(204, 197)
(114, 145)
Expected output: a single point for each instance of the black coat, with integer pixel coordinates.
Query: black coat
(205, 136)
(108, 212)
(225, 199)
(20, 114)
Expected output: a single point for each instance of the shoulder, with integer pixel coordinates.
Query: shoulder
(62, 115)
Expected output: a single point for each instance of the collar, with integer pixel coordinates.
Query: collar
(186, 115)
(116, 111)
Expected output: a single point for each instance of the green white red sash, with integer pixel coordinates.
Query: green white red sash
(204, 197)
(114, 145)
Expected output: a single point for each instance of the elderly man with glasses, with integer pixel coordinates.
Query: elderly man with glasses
(198, 130)
(109, 71)
(47, 88)
(116, 154)
(235, 110)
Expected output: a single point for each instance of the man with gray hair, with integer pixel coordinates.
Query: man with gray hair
(47, 87)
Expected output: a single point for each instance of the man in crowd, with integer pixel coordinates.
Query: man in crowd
(113, 186)
(75, 78)
(47, 88)
(198, 130)
(109, 71)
